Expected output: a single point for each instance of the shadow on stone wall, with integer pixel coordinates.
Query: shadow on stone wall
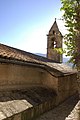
(26, 104)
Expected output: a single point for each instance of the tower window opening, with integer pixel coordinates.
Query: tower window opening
(53, 32)
(54, 43)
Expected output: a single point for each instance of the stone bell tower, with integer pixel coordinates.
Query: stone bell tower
(54, 40)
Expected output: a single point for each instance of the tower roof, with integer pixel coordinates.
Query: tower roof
(54, 27)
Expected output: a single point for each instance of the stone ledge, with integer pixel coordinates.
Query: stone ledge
(10, 108)
(26, 104)
(75, 114)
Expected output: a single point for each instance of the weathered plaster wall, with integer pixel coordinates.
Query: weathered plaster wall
(14, 76)
(67, 86)
(64, 86)
(50, 81)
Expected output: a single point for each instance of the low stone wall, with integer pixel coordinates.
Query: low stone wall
(75, 114)
(26, 104)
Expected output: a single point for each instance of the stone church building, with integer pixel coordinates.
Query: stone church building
(30, 84)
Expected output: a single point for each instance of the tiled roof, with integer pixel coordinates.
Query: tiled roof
(10, 53)
(16, 54)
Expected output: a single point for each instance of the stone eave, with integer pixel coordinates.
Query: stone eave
(43, 65)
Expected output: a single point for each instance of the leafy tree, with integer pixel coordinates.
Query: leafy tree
(71, 16)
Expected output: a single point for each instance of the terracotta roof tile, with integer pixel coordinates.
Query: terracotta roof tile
(10, 53)
(13, 53)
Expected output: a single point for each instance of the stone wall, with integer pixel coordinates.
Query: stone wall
(26, 104)
(50, 81)
(18, 76)
(75, 113)
(67, 86)
(64, 86)
(14, 76)
(28, 114)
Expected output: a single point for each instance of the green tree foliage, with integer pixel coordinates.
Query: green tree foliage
(71, 16)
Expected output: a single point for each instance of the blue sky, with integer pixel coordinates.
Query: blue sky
(24, 24)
